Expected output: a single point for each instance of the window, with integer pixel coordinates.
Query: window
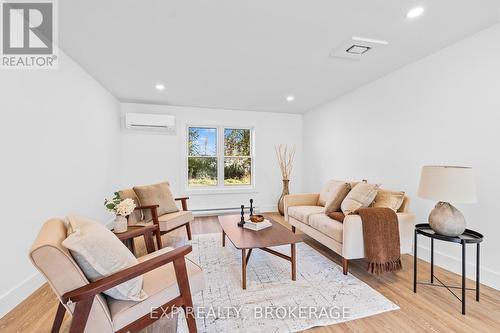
(219, 157)
(202, 156)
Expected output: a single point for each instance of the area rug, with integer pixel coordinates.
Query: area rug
(272, 302)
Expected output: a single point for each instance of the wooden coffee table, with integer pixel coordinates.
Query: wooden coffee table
(247, 240)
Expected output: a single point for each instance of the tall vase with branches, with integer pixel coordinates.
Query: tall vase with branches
(285, 155)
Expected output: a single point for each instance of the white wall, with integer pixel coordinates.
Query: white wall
(59, 139)
(149, 157)
(444, 109)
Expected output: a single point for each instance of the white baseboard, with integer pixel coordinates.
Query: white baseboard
(222, 211)
(19, 293)
(454, 264)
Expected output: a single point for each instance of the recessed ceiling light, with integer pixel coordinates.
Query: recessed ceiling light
(415, 12)
(290, 98)
(159, 86)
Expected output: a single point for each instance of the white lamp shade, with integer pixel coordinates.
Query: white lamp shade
(447, 184)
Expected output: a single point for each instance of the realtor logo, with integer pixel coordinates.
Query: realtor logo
(28, 33)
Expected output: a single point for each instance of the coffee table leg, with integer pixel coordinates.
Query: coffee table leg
(244, 268)
(223, 238)
(294, 264)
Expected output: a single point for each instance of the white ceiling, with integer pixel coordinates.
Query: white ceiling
(251, 54)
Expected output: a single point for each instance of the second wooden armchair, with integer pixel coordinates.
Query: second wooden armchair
(155, 204)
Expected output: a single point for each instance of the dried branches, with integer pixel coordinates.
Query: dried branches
(285, 157)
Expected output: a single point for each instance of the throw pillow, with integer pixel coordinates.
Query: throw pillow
(389, 199)
(337, 216)
(325, 192)
(362, 195)
(336, 195)
(156, 194)
(100, 253)
(136, 215)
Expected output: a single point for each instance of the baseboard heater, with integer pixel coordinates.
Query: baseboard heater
(221, 211)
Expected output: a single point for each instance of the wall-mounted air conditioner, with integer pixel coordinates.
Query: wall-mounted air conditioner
(148, 121)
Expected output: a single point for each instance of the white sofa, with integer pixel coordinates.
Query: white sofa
(303, 212)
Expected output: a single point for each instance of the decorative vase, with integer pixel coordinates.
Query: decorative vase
(447, 220)
(120, 224)
(286, 191)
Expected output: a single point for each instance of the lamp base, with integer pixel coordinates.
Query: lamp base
(447, 220)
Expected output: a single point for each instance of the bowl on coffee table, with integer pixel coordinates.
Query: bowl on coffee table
(257, 218)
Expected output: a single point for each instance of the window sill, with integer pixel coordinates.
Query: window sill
(214, 191)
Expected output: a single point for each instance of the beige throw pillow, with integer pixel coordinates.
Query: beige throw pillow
(389, 199)
(324, 195)
(100, 253)
(156, 194)
(136, 215)
(336, 195)
(362, 195)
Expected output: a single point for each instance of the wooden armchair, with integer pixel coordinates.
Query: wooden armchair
(169, 280)
(166, 222)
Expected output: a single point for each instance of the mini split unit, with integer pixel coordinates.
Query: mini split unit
(147, 121)
(357, 48)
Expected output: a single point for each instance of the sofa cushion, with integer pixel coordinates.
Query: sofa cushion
(156, 194)
(337, 194)
(327, 226)
(136, 215)
(389, 199)
(161, 286)
(302, 213)
(361, 195)
(100, 253)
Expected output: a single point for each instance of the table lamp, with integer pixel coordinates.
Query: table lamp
(447, 184)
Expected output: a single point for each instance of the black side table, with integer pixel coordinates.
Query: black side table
(468, 237)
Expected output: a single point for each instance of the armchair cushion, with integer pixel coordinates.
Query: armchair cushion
(156, 194)
(99, 253)
(302, 213)
(136, 215)
(161, 286)
(171, 221)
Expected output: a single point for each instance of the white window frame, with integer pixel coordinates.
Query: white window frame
(220, 187)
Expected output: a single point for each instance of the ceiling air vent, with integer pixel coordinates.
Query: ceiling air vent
(357, 48)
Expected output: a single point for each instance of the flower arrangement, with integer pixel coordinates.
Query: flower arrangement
(118, 206)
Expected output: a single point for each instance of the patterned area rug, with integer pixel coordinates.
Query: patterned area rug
(272, 302)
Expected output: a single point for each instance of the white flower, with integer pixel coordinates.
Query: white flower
(125, 208)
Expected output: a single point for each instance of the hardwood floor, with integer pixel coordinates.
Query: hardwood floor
(430, 310)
